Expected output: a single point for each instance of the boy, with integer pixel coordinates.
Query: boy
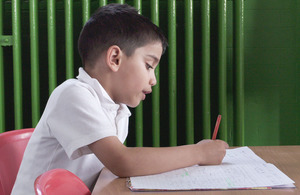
(85, 121)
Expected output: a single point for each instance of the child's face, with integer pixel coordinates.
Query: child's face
(136, 74)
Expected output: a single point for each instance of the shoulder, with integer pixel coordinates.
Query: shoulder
(73, 88)
(71, 85)
(72, 93)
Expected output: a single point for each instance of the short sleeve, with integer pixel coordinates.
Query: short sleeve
(77, 119)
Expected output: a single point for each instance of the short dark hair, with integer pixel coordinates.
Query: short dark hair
(117, 24)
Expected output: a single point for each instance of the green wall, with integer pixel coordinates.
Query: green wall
(272, 69)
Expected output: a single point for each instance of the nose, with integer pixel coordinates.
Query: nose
(152, 81)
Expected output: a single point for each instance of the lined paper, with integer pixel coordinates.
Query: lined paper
(241, 169)
(241, 155)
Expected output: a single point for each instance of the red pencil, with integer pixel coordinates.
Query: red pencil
(216, 127)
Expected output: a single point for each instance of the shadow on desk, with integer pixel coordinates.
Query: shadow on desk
(286, 158)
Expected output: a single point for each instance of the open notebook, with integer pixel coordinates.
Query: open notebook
(241, 168)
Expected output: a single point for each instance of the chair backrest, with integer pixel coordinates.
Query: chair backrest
(60, 181)
(12, 147)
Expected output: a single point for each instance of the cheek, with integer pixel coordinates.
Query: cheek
(136, 84)
(131, 85)
(138, 79)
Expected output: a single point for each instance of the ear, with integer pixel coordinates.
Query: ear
(113, 57)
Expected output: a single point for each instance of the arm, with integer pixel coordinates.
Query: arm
(127, 161)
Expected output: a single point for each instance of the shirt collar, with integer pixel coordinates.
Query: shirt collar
(103, 96)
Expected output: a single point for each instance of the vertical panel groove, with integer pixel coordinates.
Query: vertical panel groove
(69, 39)
(239, 70)
(139, 108)
(172, 72)
(2, 95)
(155, 94)
(16, 32)
(35, 96)
(189, 71)
(206, 68)
(222, 67)
(51, 44)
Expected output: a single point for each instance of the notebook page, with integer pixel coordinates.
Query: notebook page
(214, 177)
(241, 155)
(241, 168)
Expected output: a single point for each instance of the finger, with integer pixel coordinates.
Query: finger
(224, 143)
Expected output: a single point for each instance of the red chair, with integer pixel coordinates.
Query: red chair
(60, 181)
(12, 147)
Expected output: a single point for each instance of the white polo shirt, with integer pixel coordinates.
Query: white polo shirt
(78, 113)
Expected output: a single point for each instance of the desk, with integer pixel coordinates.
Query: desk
(286, 158)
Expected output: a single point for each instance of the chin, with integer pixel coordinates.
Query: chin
(133, 105)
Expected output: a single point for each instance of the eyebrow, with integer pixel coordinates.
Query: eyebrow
(153, 57)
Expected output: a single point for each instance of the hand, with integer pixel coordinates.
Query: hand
(211, 152)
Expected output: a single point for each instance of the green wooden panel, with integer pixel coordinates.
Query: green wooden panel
(51, 21)
(206, 69)
(271, 65)
(239, 108)
(272, 73)
(35, 87)
(172, 76)
(189, 73)
(17, 64)
(86, 6)
(222, 65)
(69, 38)
(139, 127)
(156, 88)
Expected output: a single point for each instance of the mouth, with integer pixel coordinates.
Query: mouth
(145, 93)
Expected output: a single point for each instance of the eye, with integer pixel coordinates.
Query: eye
(148, 66)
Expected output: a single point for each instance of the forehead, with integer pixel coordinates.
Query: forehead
(151, 50)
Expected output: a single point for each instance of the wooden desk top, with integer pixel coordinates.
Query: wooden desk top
(286, 158)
